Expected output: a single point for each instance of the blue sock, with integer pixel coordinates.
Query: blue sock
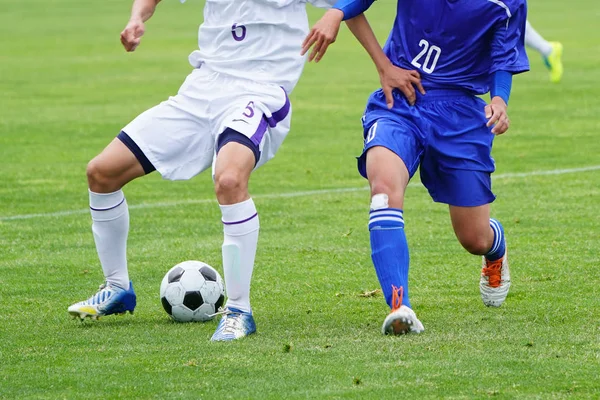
(389, 252)
(499, 247)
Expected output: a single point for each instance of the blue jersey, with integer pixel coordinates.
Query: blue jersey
(458, 44)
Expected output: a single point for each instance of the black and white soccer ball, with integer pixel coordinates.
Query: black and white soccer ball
(192, 291)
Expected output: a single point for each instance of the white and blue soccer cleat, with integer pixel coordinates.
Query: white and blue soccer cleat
(235, 324)
(108, 300)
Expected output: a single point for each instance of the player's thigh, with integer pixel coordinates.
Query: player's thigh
(457, 164)
(390, 157)
(254, 116)
(472, 227)
(115, 166)
(174, 137)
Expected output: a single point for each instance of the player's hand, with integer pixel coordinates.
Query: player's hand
(132, 34)
(392, 77)
(323, 33)
(496, 114)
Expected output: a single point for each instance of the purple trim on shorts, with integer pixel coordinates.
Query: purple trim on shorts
(137, 152)
(280, 114)
(260, 132)
(231, 135)
(109, 208)
(240, 222)
(275, 118)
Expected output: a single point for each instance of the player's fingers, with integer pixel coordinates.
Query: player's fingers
(417, 82)
(134, 44)
(494, 115)
(128, 38)
(498, 129)
(126, 44)
(307, 38)
(322, 51)
(415, 74)
(308, 42)
(488, 111)
(409, 92)
(138, 32)
(492, 120)
(501, 126)
(389, 97)
(315, 50)
(499, 115)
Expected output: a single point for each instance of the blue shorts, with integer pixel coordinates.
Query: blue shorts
(444, 134)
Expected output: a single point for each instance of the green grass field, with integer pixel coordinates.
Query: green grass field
(67, 88)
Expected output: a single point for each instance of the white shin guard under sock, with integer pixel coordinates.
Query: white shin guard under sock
(110, 216)
(240, 228)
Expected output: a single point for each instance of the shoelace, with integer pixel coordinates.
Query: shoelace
(230, 323)
(221, 311)
(100, 295)
(397, 293)
(493, 270)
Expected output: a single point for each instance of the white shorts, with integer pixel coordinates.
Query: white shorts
(179, 136)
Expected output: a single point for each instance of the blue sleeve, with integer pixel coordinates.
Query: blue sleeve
(508, 42)
(353, 8)
(501, 85)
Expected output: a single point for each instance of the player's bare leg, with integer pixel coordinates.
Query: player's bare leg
(113, 168)
(233, 167)
(388, 178)
(107, 174)
(480, 235)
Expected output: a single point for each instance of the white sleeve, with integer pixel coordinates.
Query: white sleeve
(285, 3)
(323, 3)
(277, 3)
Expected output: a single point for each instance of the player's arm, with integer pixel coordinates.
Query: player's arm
(508, 58)
(496, 111)
(141, 11)
(325, 31)
(391, 77)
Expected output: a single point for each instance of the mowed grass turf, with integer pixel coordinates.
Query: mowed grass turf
(67, 88)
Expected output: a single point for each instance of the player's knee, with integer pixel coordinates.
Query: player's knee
(230, 186)
(395, 196)
(475, 244)
(99, 179)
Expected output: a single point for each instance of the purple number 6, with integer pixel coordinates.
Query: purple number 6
(236, 37)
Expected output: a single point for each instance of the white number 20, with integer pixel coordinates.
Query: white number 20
(430, 62)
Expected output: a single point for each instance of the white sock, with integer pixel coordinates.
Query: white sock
(240, 228)
(536, 41)
(110, 216)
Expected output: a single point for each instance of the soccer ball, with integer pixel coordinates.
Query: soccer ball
(192, 291)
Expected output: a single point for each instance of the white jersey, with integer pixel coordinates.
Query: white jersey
(258, 40)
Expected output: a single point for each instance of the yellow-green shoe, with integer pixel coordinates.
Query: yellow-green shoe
(554, 62)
